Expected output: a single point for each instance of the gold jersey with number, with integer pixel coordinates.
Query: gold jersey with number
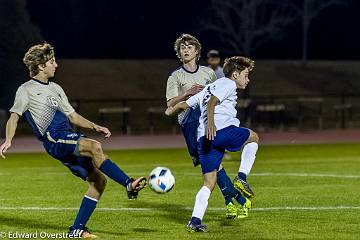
(45, 106)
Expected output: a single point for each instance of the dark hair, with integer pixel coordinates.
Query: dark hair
(37, 55)
(237, 63)
(187, 38)
(213, 54)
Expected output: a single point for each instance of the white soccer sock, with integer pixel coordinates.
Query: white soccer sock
(201, 202)
(248, 157)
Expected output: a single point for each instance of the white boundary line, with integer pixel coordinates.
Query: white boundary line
(264, 174)
(183, 208)
(306, 175)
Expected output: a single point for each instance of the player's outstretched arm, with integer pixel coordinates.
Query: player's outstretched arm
(11, 126)
(191, 92)
(211, 128)
(171, 111)
(82, 122)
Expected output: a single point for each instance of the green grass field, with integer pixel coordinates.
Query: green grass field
(302, 192)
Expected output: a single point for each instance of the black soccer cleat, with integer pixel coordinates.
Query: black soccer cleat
(134, 187)
(80, 233)
(192, 227)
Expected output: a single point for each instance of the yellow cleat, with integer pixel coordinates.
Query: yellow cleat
(243, 187)
(243, 211)
(231, 211)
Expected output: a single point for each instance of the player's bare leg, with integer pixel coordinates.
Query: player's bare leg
(97, 183)
(92, 148)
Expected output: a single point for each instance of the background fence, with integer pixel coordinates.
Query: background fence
(262, 113)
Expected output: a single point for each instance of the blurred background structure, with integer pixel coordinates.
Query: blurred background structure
(115, 57)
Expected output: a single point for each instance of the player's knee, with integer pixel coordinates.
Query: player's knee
(210, 185)
(96, 148)
(254, 137)
(210, 180)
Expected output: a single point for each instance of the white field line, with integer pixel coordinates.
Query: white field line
(285, 208)
(330, 175)
(306, 175)
(265, 174)
(253, 174)
(292, 175)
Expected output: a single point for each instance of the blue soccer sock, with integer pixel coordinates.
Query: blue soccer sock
(87, 207)
(114, 172)
(239, 198)
(225, 185)
(195, 220)
(242, 176)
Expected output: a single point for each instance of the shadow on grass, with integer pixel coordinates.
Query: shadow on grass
(19, 223)
(15, 221)
(229, 222)
(119, 234)
(143, 230)
(170, 211)
(135, 230)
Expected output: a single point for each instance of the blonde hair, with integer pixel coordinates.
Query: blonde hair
(37, 55)
(237, 63)
(187, 39)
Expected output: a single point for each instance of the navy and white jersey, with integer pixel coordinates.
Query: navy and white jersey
(45, 106)
(181, 80)
(225, 112)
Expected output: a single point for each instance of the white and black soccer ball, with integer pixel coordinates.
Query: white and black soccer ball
(161, 180)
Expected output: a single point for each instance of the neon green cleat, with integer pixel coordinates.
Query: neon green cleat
(243, 187)
(243, 211)
(231, 211)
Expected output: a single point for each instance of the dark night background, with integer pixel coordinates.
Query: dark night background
(147, 29)
(112, 29)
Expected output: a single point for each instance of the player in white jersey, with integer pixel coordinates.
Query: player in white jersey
(219, 131)
(183, 83)
(49, 114)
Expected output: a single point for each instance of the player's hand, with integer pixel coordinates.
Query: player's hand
(211, 131)
(4, 147)
(103, 130)
(169, 111)
(194, 90)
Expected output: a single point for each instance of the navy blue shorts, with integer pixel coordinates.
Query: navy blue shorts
(189, 128)
(231, 138)
(62, 145)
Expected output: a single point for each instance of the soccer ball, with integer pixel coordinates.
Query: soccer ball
(161, 180)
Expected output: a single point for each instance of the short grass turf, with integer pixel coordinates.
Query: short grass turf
(313, 181)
